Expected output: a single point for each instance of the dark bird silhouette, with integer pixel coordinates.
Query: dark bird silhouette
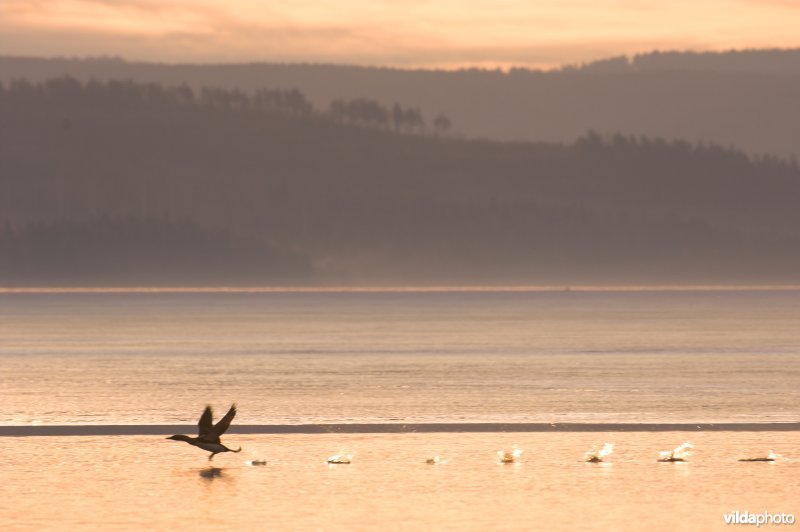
(208, 434)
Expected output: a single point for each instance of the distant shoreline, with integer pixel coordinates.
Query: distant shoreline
(392, 289)
(393, 428)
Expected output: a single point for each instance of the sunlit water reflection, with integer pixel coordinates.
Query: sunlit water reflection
(130, 482)
(418, 357)
(393, 358)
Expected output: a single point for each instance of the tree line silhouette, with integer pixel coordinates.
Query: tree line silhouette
(68, 91)
(743, 98)
(771, 60)
(105, 181)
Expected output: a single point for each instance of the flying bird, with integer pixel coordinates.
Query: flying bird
(208, 434)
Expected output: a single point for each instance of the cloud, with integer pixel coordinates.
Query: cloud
(411, 33)
(790, 4)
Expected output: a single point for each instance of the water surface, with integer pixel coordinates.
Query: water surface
(649, 357)
(131, 482)
(140, 359)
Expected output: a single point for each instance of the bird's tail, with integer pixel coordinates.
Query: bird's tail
(237, 450)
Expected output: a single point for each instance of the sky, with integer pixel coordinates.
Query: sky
(398, 33)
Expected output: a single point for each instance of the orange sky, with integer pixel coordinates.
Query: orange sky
(403, 33)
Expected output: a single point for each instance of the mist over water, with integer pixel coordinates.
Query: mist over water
(645, 357)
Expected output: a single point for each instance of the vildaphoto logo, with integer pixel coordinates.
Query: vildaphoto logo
(763, 518)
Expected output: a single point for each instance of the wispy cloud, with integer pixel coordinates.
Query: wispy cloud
(791, 4)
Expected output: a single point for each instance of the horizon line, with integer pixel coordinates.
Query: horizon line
(398, 289)
(504, 68)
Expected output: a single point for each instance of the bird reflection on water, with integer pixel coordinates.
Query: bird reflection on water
(211, 473)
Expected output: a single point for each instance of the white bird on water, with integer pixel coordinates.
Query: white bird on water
(599, 455)
(678, 454)
(340, 458)
(771, 457)
(509, 457)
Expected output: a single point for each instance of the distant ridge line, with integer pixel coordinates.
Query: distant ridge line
(311, 289)
(394, 428)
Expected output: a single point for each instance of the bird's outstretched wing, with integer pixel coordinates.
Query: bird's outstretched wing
(223, 424)
(204, 426)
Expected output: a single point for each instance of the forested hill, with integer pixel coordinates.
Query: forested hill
(745, 99)
(132, 184)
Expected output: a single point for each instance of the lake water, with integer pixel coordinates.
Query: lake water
(399, 357)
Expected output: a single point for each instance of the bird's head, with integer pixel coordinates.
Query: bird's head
(179, 437)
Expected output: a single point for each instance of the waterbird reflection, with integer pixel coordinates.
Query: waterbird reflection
(210, 473)
(678, 454)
